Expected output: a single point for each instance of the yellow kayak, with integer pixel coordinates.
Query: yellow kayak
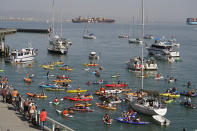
(54, 89)
(170, 95)
(66, 69)
(58, 63)
(60, 81)
(75, 91)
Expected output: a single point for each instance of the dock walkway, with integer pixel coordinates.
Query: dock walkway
(13, 120)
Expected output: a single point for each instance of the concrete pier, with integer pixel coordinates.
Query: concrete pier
(13, 120)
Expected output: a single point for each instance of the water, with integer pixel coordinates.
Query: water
(113, 52)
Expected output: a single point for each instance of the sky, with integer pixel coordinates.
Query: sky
(120, 10)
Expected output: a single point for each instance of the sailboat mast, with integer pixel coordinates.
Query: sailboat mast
(142, 43)
(53, 18)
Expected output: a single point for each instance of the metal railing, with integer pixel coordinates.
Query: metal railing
(48, 119)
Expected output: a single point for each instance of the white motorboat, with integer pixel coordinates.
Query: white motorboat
(135, 41)
(89, 36)
(92, 55)
(23, 55)
(161, 120)
(136, 64)
(162, 48)
(123, 36)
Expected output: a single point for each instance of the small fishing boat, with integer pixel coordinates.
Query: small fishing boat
(161, 120)
(23, 55)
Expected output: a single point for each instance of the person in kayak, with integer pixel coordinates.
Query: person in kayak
(106, 118)
(56, 100)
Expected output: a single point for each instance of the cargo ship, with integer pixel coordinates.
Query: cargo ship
(92, 20)
(192, 21)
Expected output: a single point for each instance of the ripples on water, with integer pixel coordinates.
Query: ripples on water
(114, 52)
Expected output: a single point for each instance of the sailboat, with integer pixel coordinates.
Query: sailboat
(59, 45)
(147, 105)
(87, 34)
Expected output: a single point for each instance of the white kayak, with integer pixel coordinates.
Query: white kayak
(116, 102)
(162, 120)
(159, 78)
(112, 91)
(60, 112)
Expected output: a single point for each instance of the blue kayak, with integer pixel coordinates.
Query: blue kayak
(187, 94)
(122, 119)
(48, 86)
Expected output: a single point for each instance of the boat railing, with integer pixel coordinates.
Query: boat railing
(54, 124)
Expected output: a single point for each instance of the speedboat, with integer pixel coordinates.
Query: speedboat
(161, 120)
(23, 55)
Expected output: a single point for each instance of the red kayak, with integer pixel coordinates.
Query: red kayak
(62, 77)
(77, 99)
(116, 85)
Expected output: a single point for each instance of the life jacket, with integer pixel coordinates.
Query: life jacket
(15, 92)
(43, 116)
(65, 112)
(56, 100)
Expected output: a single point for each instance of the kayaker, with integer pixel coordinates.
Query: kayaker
(138, 119)
(65, 112)
(106, 118)
(56, 100)
(78, 88)
(42, 93)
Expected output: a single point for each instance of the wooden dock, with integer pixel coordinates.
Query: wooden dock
(7, 30)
